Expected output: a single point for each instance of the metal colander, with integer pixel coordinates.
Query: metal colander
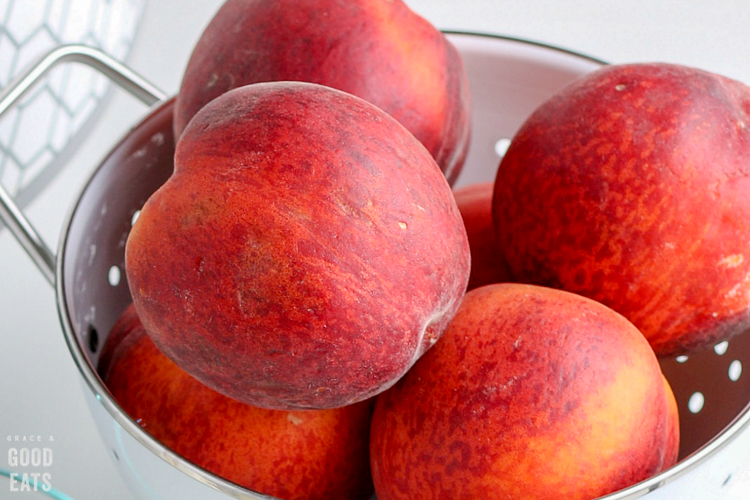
(508, 79)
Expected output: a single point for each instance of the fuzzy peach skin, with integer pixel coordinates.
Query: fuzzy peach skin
(475, 204)
(298, 455)
(631, 186)
(673, 441)
(305, 253)
(532, 393)
(378, 50)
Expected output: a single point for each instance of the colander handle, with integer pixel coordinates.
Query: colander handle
(10, 213)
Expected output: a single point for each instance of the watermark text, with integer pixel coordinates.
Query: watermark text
(32, 453)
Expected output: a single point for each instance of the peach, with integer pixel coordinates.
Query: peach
(305, 253)
(630, 186)
(475, 204)
(673, 441)
(305, 455)
(378, 50)
(531, 393)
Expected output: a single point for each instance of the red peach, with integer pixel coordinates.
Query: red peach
(475, 204)
(305, 253)
(380, 51)
(630, 186)
(531, 393)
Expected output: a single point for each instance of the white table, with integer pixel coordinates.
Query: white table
(40, 389)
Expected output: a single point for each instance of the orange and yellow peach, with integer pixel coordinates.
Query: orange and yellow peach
(532, 393)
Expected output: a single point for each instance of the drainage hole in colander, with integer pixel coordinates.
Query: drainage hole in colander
(501, 146)
(696, 402)
(681, 359)
(117, 457)
(726, 481)
(721, 348)
(93, 339)
(113, 276)
(735, 370)
(135, 217)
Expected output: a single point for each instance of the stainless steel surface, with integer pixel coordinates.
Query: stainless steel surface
(95, 58)
(138, 86)
(29, 238)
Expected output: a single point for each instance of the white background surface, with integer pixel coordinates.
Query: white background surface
(40, 389)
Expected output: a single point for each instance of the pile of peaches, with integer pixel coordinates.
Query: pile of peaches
(317, 314)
